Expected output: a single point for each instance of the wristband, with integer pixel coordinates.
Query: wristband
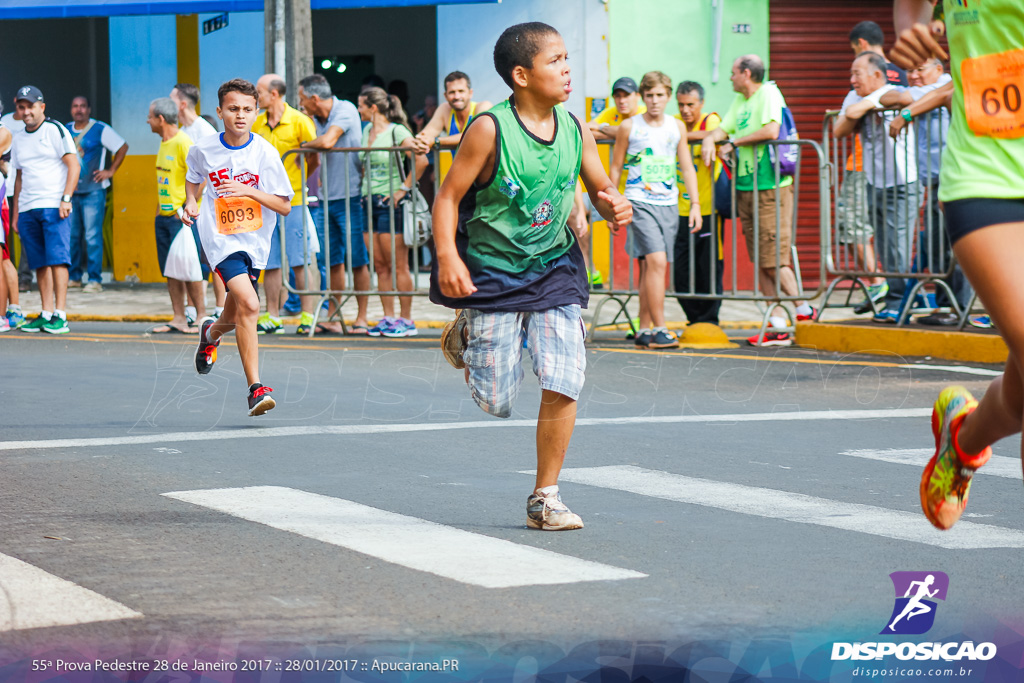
(65, 199)
(907, 116)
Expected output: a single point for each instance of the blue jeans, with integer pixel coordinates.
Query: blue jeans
(87, 213)
(338, 241)
(894, 217)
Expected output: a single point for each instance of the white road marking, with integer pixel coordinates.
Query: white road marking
(33, 598)
(794, 507)
(347, 430)
(407, 541)
(984, 372)
(997, 466)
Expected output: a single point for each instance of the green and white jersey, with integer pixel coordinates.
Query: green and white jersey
(513, 231)
(984, 155)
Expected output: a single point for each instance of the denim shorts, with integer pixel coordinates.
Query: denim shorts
(382, 215)
(494, 353)
(46, 236)
(295, 241)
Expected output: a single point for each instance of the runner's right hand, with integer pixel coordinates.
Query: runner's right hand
(915, 46)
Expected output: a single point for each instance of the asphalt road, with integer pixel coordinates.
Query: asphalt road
(387, 487)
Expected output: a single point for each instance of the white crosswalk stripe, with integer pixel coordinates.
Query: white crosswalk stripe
(997, 466)
(794, 507)
(408, 541)
(33, 598)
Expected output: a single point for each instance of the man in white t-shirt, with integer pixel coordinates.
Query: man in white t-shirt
(186, 96)
(46, 167)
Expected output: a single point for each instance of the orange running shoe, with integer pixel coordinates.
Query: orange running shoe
(946, 481)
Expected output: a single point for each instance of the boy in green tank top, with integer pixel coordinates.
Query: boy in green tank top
(507, 259)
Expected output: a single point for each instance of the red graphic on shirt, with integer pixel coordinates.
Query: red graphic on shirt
(220, 175)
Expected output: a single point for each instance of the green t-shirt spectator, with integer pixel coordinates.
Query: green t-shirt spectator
(376, 176)
(748, 116)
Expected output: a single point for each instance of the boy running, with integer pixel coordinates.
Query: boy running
(508, 259)
(648, 147)
(247, 186)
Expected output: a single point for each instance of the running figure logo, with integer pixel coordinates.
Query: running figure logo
(914, 612)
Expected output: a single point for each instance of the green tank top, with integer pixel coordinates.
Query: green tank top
(982, 166)
(518, 222)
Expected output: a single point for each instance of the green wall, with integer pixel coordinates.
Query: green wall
(675, 36)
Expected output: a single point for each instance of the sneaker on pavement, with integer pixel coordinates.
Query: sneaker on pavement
(813, 315)
(92, 288)
(453, 341)
(266, 324)
(305, 323)
(887, 315)
(259, 400)
(15, 318)
(402, 327)
(946, 481)
(643, 339)
(875, 294)
(983, 322)
(206, 354)
(546, 511)
(56, 325)
(772, 339)
(385, 323)
(5, 325)
(663, 339)
(35, 325)
(72, 284)
(190, 315)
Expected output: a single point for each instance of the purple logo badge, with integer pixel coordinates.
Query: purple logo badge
(916, 592)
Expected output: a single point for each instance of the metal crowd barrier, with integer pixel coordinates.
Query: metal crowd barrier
(615, 291)
(350, 232)
(888, 223)
(619, 294)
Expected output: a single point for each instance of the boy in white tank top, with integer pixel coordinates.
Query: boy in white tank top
(649, 147)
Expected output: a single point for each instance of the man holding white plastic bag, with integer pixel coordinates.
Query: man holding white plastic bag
(175, 244)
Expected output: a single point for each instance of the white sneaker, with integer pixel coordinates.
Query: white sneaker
(546, 511)
(92, 288)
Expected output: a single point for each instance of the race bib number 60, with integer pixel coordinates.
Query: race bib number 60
(237, 214)
(994, 94)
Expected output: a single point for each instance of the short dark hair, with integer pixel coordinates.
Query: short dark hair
(875, 60)
(316, 85)
(457, 76)
(754, 65)
(239, 85)
(188, 91)
(82, 97)
(869, 31)
(687, 87)
(278, 86)
(518, 46)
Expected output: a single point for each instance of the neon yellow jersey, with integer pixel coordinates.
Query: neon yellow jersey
(293, 128)
(171, 168)
(704, 177)
(973, 165)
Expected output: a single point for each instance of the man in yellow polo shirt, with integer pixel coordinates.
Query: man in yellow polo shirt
(285, 128)
(708, 261)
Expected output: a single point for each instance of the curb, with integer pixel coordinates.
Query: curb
(970, 347)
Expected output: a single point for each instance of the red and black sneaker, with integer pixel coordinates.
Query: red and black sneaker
(206, 355)
(259, 400)
(812, 316)
(771, 339)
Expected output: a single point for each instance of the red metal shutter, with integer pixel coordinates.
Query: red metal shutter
(810, 59)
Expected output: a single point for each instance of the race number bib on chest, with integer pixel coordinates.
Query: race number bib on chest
(655, 168)
(993, 86)
(237, 214)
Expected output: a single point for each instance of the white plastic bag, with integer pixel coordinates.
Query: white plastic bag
(183, 258)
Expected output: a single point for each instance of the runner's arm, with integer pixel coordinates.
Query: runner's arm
(612, 206)
(916, 41)
(190, 211)
(619, 152)
(277, 203)
(475, 158)
(689, 178)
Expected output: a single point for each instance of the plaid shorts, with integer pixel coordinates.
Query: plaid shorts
(494, 353)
